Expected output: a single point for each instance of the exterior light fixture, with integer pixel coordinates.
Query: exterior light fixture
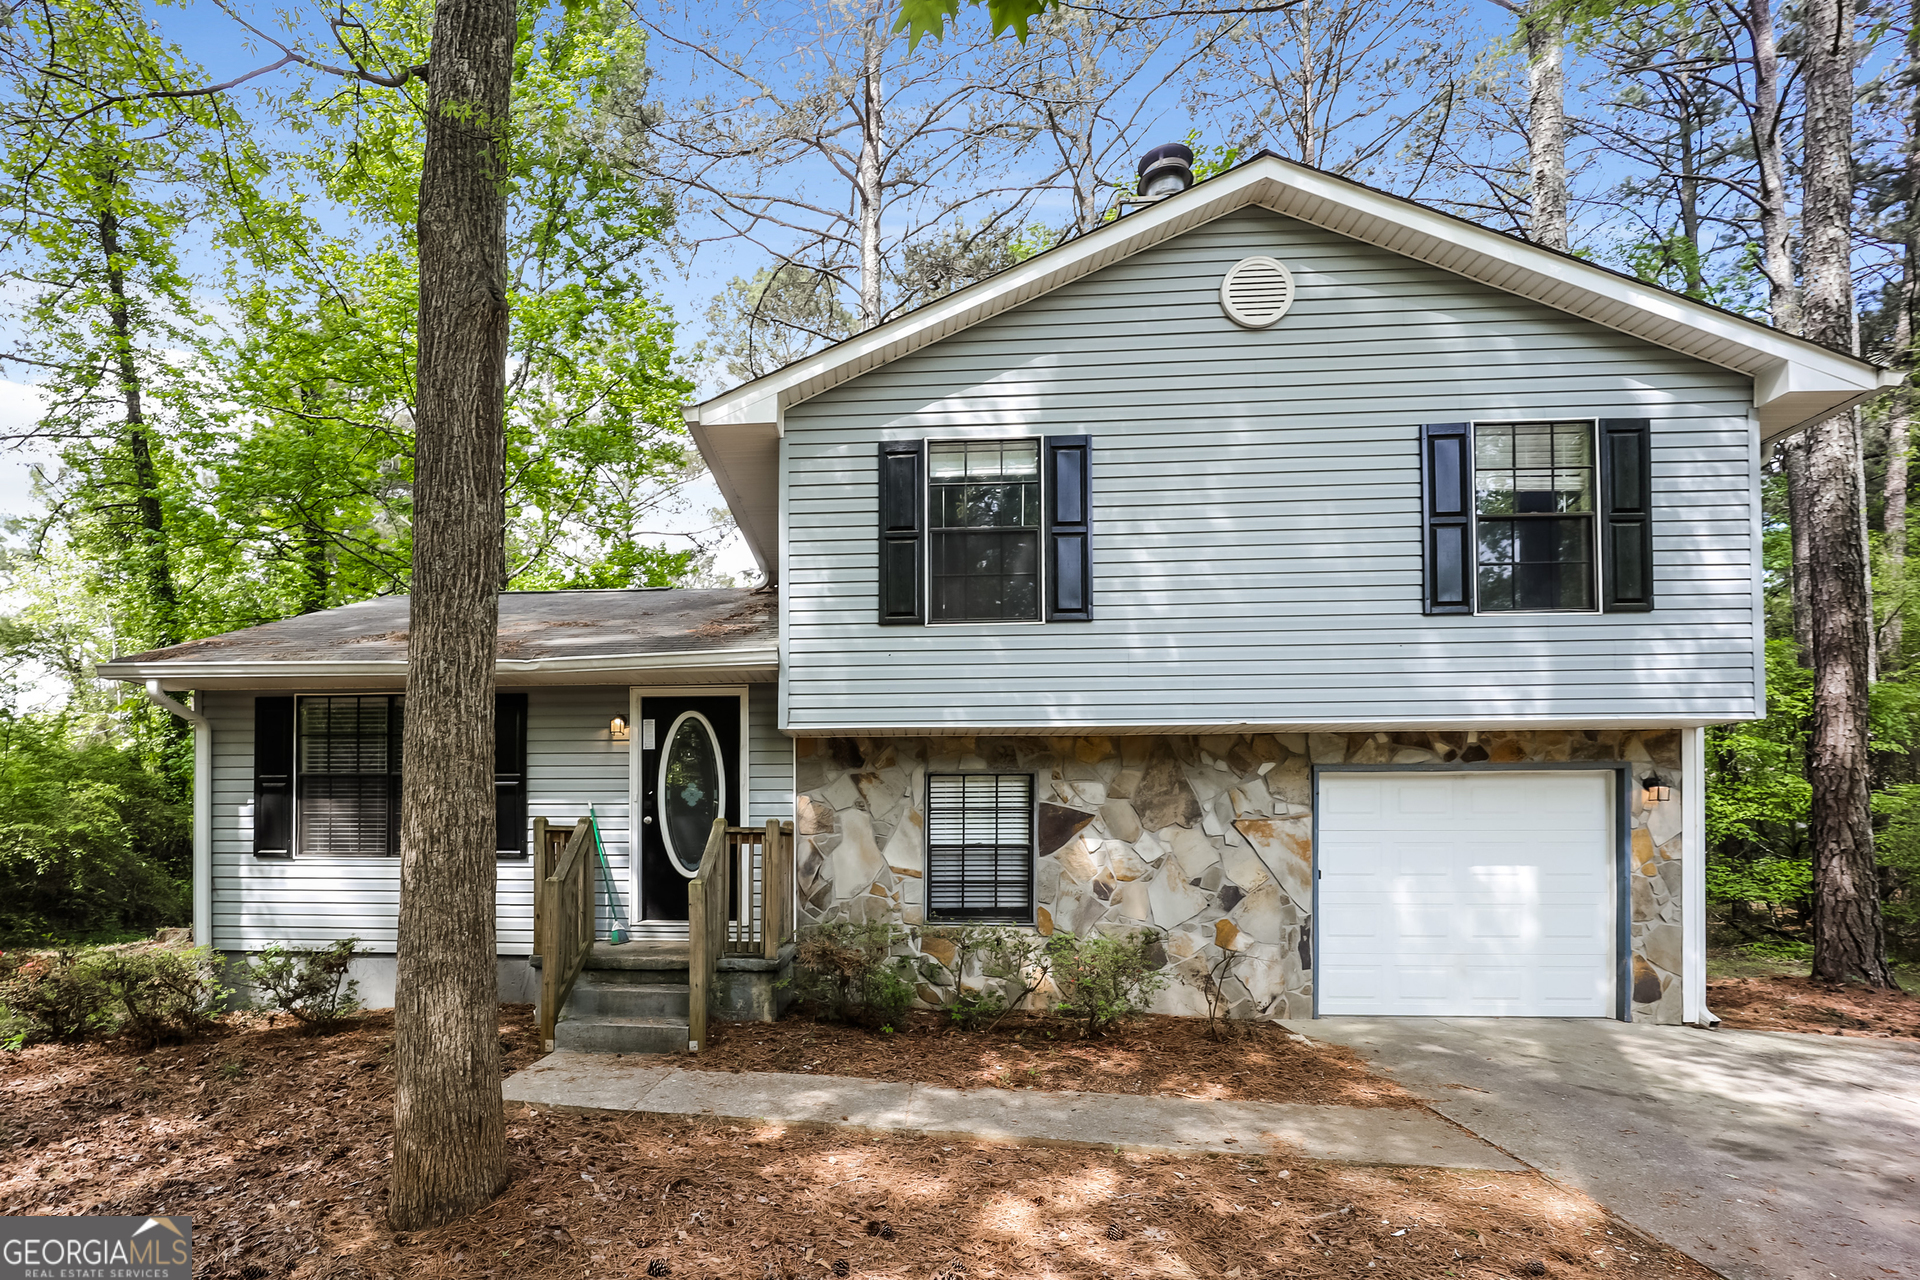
(619, 728)
(1654, 791)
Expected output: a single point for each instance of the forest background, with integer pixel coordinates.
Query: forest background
(208, 340)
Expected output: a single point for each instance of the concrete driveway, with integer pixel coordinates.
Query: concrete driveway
(1762, 1154)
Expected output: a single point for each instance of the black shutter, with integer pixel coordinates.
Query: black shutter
(510, 774)
(902, 521)
(273, 777)
(1068, 501)
(1626, 514)
(1446, 509)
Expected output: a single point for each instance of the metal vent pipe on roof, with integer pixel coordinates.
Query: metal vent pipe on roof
(1167, 170)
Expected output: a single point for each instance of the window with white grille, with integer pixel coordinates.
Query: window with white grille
(980, 846)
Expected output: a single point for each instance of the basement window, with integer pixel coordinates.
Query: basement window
(980, 847)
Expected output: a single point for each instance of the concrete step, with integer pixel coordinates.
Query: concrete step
(628, 1000)
(621, 1035)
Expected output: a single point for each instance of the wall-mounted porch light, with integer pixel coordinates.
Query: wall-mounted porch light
(1654, 791)
(619, 728)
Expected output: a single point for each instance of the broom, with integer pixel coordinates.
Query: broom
(618, 933)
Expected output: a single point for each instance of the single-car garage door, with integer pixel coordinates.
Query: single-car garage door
(1466, 894)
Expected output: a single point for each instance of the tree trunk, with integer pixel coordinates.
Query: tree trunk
(867, 173)
(1894, 521)
(449, 1148)
(1793, 455)
(1783, 299)
(1546, 126)
(1849, 940)
(155, 563)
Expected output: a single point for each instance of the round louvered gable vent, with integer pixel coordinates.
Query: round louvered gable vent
(1256, 292)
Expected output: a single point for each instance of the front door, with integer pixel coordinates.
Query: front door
(689, 775)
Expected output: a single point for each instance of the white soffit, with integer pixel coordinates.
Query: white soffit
(1796, 382)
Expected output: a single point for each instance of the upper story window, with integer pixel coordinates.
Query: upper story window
(1534, 515)
(983, 547)
(1551, 516)
(985, 530)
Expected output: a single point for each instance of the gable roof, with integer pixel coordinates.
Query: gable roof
(1796, 382)
(546, 637)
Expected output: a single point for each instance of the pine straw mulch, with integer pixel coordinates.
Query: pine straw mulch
(1175, 1057)
(1780, 1002)
(277, 1142)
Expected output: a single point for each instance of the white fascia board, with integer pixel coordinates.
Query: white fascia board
(744, 458)
(192, 675)
(1491, 723)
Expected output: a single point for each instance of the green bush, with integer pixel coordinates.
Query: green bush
(162, 994)
(92, 841)
(1104, 979)
(59, 997)
(307, 982)
(848, 973)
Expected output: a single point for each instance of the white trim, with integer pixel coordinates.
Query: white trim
(660, 785)
(1693, 879)
(187, 674)
(202, 865)
(1063, 727)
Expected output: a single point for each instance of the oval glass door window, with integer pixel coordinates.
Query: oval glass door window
(693, 790)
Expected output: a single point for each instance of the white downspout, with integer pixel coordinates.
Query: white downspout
(1693, 878)
(202, 812)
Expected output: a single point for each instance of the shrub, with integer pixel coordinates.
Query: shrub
(1103, 979)
(164, 994)
(1011, 963)
(52, 997)
(848, 973)
(309, 983)
(91, 839)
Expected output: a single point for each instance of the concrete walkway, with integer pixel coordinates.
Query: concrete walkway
(1765, 1155)
(651, 1086)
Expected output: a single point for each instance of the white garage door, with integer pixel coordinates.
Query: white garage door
(1466, 894)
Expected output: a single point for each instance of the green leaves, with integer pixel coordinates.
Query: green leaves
(919, 18)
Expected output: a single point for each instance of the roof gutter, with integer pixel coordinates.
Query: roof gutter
(202, 810)
(177, 670)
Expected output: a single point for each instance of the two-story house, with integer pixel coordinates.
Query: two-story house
(1286, 567)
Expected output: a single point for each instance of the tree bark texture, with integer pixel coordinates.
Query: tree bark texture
(1793, 457)
(449, 1151)
(1546, 126)
(1849, 940)
(867, 181)
(155, 562)
(1764, 122)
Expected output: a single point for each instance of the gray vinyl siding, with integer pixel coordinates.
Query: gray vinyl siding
(1257, 536)
(769, 758)
(572, 761)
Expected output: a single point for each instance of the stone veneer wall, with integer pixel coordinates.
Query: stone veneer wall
(1208, 838)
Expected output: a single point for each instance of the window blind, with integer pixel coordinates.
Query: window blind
(980, 846)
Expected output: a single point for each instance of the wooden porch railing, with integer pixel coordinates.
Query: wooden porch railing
(741, 904)
(563, 919)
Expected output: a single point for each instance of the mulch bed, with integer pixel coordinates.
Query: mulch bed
(1784, 1003)
(1174, 1057)
(277, 1143)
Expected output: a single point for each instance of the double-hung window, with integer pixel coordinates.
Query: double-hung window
(1537, 516)
(985, 530)
(980, 847)
(983, 537)
(326, 779)
(347, 775)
